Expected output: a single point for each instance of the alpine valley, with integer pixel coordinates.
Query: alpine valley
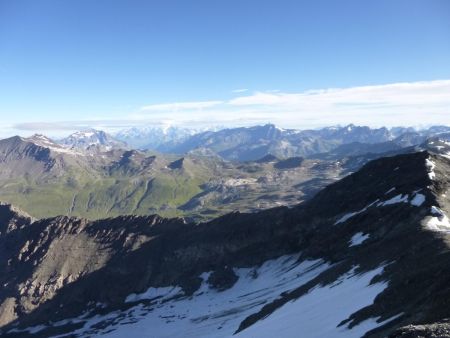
(245, 232)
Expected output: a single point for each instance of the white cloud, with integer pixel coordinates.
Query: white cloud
(242, 90)
(176, 106)
(390, 104)
(397, 94)
(409, 104)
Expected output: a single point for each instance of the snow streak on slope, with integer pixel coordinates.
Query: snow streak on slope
(415, 199)
(318, 313)
(394, 200)
(346, 217)
(358, 238)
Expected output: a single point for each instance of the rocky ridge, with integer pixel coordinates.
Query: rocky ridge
(388, 217)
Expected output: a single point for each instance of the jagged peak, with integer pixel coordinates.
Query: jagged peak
(15, 138)
(41, 137)
(12, 218)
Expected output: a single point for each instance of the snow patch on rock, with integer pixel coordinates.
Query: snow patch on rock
(349, 215)
(430, 166)
(438, 222)
(394, 200)
(358, 238)
(389, 191)
(418, 200)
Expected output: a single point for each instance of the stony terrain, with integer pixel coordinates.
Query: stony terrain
(435, 330)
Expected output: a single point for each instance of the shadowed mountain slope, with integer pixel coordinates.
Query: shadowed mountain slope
(381, 234)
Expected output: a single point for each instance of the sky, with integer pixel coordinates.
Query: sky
(110, 64)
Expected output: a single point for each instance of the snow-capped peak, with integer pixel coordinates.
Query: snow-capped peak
(46, 142)
(88, 139)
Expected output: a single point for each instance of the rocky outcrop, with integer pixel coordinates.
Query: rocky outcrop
(436, 330)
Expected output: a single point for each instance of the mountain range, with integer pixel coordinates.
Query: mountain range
(91, 174)
(253, 143)
(367, 256)
(77, 181)
(153, 137)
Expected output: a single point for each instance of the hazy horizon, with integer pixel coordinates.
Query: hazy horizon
(62, 133)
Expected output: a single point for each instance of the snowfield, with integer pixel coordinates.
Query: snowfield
(168, 312)
(318, 314)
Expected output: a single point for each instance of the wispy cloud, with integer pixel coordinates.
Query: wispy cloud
(390, 104)
(397, 94)
(177, 106)
(242, 90)
(69, 125)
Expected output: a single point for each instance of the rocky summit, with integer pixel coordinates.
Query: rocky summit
(367, 256)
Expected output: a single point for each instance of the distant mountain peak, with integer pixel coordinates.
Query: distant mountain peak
(92, 139)
(47, 143)
(153, 136)
(41, 140)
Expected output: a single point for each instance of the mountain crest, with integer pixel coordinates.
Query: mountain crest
(12, 218)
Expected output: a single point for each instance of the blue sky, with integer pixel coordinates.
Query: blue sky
(117, 63)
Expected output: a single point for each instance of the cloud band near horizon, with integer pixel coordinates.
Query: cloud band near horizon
(407, 103)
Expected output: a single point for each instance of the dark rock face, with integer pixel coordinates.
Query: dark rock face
(267, 159)
(222, 278)
(53, 269)
(12, 219)
(178, 164)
